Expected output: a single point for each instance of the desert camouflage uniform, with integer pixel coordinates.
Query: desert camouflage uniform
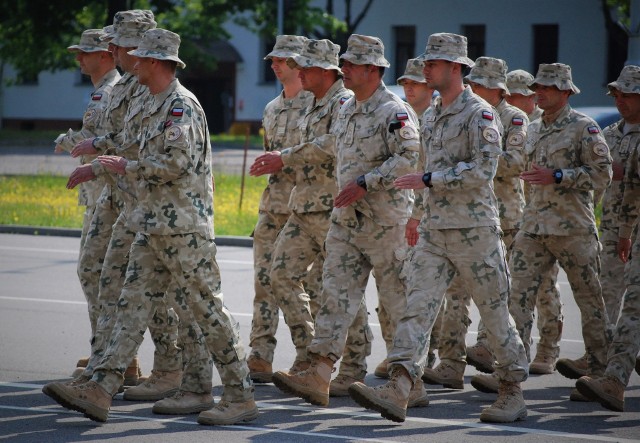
(89, 192)
(622, 140)
(559, 224)
(368, 235)
(459, 236)
(173, 218)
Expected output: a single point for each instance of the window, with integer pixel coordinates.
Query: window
(545, 45)
(268, 75)
(405, 41)
(476, 39)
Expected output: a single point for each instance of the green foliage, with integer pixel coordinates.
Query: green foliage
(622, 10)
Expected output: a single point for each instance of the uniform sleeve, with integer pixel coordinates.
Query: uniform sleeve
(595, 172)
(630, 207)
(512, 159)
(90, 123)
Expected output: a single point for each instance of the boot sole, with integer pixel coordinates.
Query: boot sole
(247, 416)
(129, 396)
(480, 366)
(605, 400)
(89, 410)
(418, 403)
(483, 388)
(568, 372)
(196, 409)
(261, 377)
(489, 418)
(448, 383)
(539, 370)
(309, 396)
(388, 411)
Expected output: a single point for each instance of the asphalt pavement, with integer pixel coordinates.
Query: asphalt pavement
(44, 329)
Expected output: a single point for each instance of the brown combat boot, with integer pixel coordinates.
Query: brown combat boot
(444, 374)
(133, 373)
(542, 364)
(229, 413)
(573, 369)
(382, 370)
(608, 391)
(481, 358)
(89, 398)
(182, 403)
(299, 366)
(486, 383)
(260, 370)
(418, 396)
(339, 386)
(578, 396)
(509, 406)
(312, 384)
(390, 399)
(159, 385)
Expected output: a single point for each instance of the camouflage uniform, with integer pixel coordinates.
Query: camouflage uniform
(173, 218)
(281, 120)
(378, 141)
(559, 223)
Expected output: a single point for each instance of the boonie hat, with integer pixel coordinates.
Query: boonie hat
(287, 46)
(130, 26)
(160, 44)
(489, 72)
(413, 71)
(518, 82)
(365, 50)
(90, 42)
(628, 82)
(316, 53)
(446, 46)
(554, 74)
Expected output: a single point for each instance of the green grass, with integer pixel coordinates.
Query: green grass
(43, 200)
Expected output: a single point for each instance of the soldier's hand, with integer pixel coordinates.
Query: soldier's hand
(351, 193)
(411, 231)
(114, 163)
(410, 181)
(618, 171)
(538, 175)
(81, 174)
(267, 163)
(624, 249)
(85, 147)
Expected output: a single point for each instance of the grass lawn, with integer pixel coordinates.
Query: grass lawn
(43, 200)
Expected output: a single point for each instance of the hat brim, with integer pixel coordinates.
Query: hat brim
(141, 53)
(460, 60)
(572, 87)
(80, 48)
(300, 61)
(354, 59)
(415, 78)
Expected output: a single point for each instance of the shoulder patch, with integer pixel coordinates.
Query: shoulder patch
(593, 130)
(174, 133)
(408, 132)
(343, 100)
(177, 112)
(516, 139)
(517, 121)
(487, 115)
(402, 116)
(600, 149)
(96, 97)
(490, 134)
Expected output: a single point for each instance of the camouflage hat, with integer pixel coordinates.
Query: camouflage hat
(628, 82)
(130, 26)
(518, 81)
(554, 74)
(90, 42)
(159, 44)
(365, 50)
(413, 71)
(286, 46)
(445, 46)
(316, 53)
(108, 32)
(489, 72)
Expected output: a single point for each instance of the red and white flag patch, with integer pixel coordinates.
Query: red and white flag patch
(177, 112)
(487, 115)
(593, 130)
(517, 121)
(96, 97)
(402, 116)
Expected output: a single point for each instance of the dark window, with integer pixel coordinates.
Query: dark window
(545, 45)
(267, 73)
(405, 40)
(476, 39)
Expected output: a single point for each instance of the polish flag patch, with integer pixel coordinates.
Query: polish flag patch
(343, 100)
(402, 116)
(177, 112)
(593, 130)
(516, 121)
(96, 97)
(487, 115)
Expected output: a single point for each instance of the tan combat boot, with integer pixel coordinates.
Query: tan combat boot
(486, 383)
(260, 370)
(608, 391)
(133, 373)
(390, 399)
(312, 384)
(481, 358)
(299, 366)
(183, 402)
(159, 385)
(573, 369)
(444, 374)
(542, 364)
(229, 413)
(89, 398)
(382, 370)
(339, 386)
(418, 396)
(578, 396)
(509, 406)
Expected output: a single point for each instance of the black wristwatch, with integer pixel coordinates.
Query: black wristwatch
(557, 176)
(426, 179)
(360, 181)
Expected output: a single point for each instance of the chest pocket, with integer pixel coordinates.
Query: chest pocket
(561, 155)
(446, 141)
(370, 147)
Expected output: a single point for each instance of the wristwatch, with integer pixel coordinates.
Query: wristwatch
(360, 181)
(426, 179)
(557, 176)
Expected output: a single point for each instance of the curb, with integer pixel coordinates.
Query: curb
(223, 240)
